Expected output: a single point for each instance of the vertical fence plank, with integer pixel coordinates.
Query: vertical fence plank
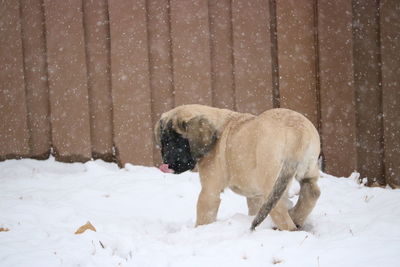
(37, 91)
(97, 37)
(252, 55)
(14, 134)
(220, 14)
(368, 91)
(160, 61)
(296, 54)
(390, 48)
(67, 80)
(191, 51)
(337, 86)
(274, 54)
(130, 82)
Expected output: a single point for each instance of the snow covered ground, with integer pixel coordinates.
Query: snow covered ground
(145, 218)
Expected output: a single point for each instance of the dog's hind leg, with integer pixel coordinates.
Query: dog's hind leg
(254, 204)
(280, 216)
(276, 202)
(309, 194)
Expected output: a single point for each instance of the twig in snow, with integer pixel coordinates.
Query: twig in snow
(301, 243)
(351, 232)
(276, 261)
(94, 246)
(368, 198)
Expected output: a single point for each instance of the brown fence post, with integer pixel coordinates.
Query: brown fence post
(97, 38)
(130, 82)
(368, 91)
(337, 86)
(36, 80)
(67, 80)
(14, 134)
(220, 16)
(252, 56)
(296, 55)
(160, 61)
(390, 49)
(191, 51)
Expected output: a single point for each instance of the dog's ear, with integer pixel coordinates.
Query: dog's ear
(201, 134)
(182, 125)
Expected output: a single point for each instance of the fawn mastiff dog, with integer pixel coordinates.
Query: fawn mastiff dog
(255, 156)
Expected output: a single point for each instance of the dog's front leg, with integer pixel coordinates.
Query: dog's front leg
(207, 206)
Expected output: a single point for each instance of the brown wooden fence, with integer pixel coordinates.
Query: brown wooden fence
(88, 78)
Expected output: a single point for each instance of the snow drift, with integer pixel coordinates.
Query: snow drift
(144, 217)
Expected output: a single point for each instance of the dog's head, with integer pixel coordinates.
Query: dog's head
(184, 138)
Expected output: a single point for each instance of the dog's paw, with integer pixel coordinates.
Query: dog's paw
(290, 229)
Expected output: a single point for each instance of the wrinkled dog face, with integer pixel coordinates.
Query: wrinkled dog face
(184, 141)
(175, 150)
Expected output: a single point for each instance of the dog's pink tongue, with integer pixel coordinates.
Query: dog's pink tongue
(165, 168)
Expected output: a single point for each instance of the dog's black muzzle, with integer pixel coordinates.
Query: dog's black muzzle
(175, 151)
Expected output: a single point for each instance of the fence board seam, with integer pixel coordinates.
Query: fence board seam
(380, 86)
(318, 81)
(28, 117)
(233, 58)
(43, 10)
(171, 54)
(88, 78)
(212, 58)
(108, 38)
(274, 54)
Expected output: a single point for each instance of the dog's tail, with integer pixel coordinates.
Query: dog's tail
(288, 170)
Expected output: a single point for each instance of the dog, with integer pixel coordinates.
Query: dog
(254, 156)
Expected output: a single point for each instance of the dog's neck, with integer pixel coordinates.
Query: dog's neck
(234, 119)
(219, 117)
(228, 123)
